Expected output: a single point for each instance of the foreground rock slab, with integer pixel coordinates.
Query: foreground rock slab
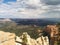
(7, 38)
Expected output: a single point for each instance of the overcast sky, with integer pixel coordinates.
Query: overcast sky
(29, 8)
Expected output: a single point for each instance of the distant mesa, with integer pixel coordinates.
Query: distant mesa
(5, 20)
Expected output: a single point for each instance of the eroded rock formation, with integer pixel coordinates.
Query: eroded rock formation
(26, 39)
(52, 30)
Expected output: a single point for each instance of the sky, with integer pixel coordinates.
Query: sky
(29, 8)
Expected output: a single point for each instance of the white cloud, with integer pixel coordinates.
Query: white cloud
(26, 9)
(19, 9)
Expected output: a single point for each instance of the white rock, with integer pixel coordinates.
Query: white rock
(18, 44)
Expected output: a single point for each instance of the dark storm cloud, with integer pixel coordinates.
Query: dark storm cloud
(51, 2)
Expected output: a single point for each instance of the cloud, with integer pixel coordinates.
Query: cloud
(27, 9)
(51, 2)
(1, 1)
(22, 9)
(52, 14)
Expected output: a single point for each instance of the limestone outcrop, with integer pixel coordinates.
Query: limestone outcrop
(27, 40)
(7, 38)
(43, 40)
